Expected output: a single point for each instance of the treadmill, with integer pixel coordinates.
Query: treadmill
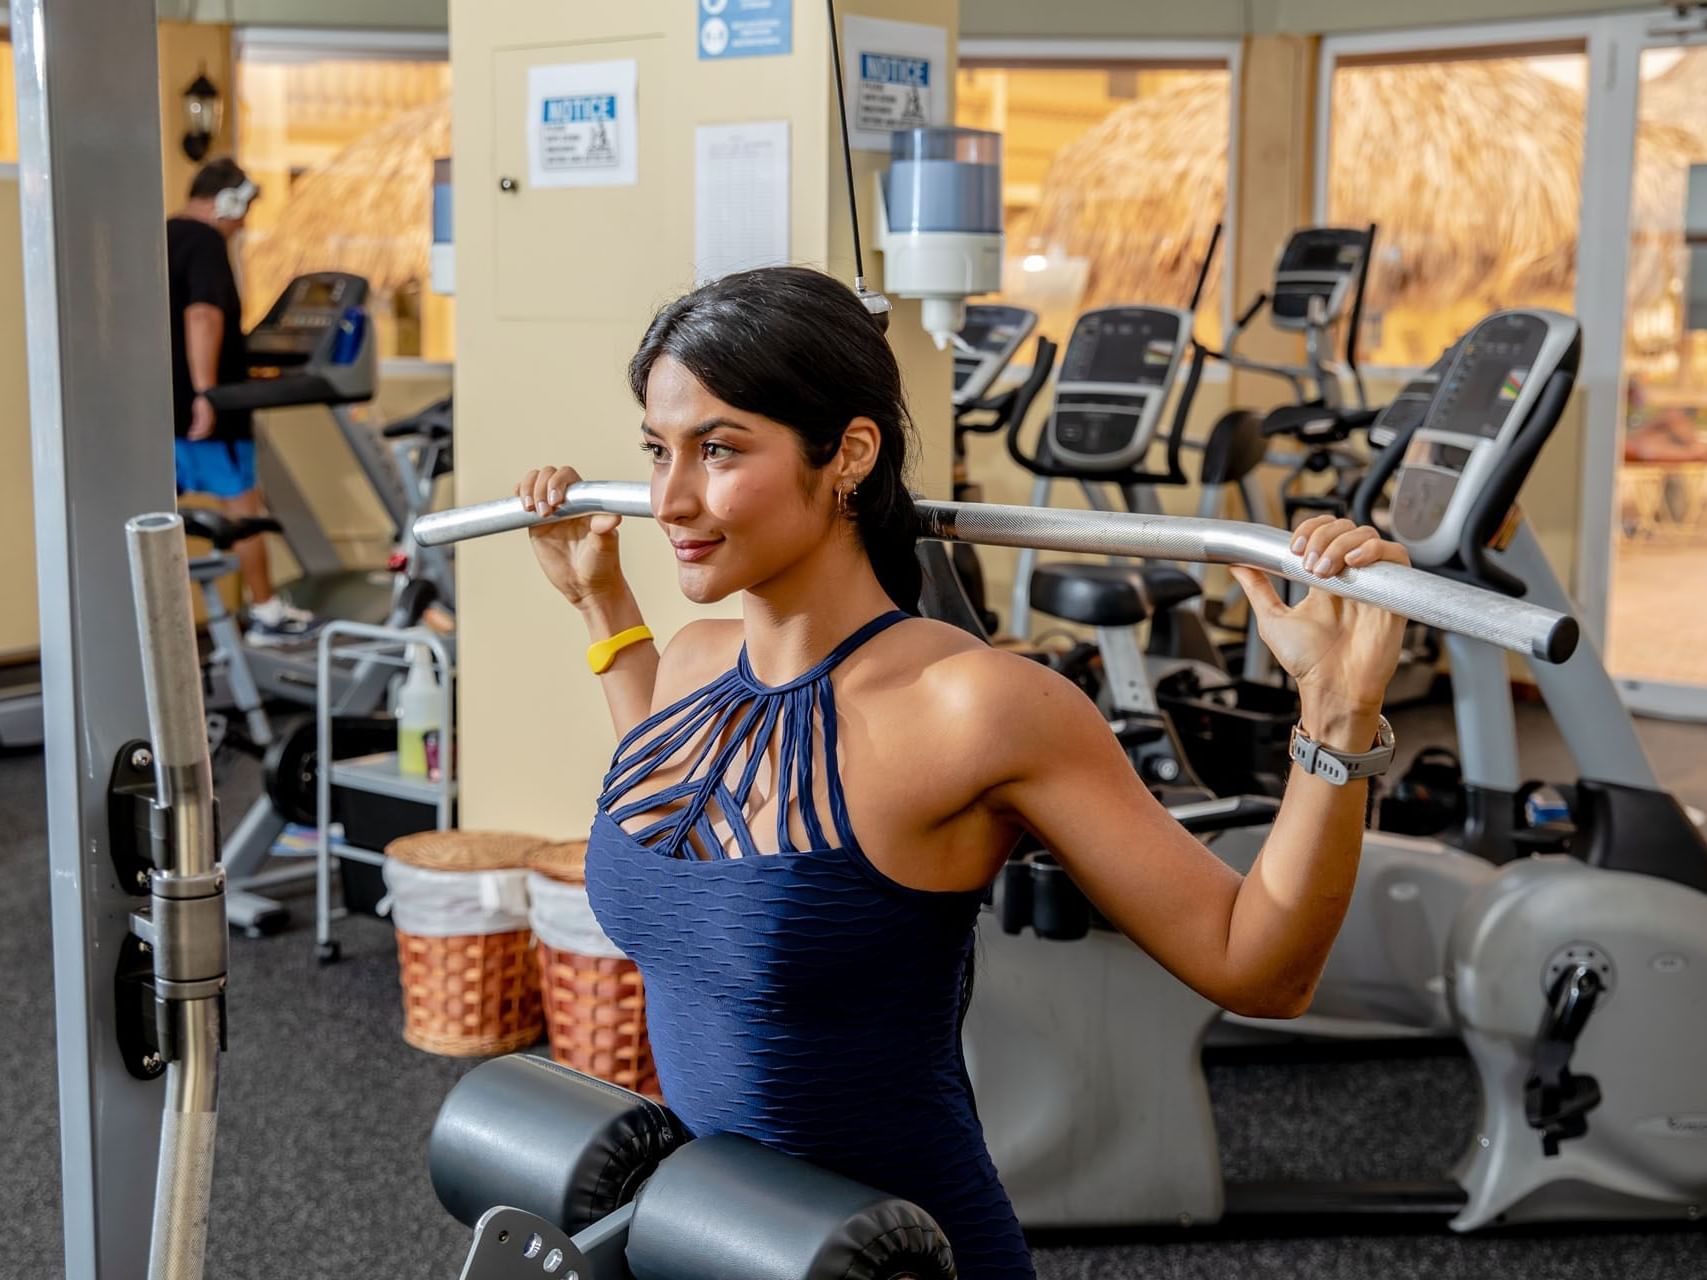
(316, 346)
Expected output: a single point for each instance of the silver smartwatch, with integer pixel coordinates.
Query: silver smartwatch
(1341, 767)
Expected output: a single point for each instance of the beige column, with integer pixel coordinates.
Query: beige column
(1275, 164)
(554, 289)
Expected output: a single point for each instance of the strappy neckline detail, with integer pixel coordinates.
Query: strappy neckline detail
(710, 727)
(832, 660)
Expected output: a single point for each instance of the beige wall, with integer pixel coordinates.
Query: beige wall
(185, 49)
(564, 286)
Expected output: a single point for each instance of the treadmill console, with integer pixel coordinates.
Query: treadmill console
(985, 345)
(1317, 262)
(314, 346)
(1115, 378)
(1484, 401)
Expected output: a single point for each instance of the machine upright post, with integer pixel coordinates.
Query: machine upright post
(100, 408)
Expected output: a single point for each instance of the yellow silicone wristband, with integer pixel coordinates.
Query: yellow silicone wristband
(601, 653)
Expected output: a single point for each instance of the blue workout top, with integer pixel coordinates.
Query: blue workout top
(794, 993)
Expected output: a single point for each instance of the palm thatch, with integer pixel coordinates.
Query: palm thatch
(368, 210)
(1138, 193)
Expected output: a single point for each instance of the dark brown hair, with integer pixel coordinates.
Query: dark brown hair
(797, 346)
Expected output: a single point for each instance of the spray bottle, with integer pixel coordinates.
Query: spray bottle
(418, 714)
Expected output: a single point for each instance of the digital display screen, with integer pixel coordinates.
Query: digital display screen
(1133, 346)
(1320, 253)
(1490, 388)
(318, 292)
(1486, 384)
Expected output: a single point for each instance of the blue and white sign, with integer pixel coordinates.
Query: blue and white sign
(896, 76)
(582, 130)
(744, 28)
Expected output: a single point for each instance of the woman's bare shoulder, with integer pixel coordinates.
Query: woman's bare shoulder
(960, 678)
(696, 655)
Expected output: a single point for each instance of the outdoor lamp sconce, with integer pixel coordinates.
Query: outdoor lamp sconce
(202, 110)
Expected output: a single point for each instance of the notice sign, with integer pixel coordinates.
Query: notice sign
(744, 28)
(897, 78)
(582, 130)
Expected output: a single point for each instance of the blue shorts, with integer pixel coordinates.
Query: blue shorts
(223, 468)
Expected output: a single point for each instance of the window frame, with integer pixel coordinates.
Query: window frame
(322, 44)
(1155, 55)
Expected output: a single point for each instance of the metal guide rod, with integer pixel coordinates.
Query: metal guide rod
(1499, 620)
(185, 924)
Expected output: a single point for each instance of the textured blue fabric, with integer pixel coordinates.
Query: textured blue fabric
(797, 996)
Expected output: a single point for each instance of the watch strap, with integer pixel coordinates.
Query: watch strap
(1341, 767)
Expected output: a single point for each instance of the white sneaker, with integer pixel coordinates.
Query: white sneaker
(277, 622)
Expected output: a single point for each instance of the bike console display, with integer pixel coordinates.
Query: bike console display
(1317, 262)
(1115, 378)
(985, 344)
(1498, 399)
(314, 346)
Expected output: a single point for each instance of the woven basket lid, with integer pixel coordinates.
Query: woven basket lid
(463, 850)
(564, 860)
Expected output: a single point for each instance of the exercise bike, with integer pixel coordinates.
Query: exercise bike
(1549, 969)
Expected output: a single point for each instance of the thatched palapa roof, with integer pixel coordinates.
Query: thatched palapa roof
(1138, 194)
(368, 211)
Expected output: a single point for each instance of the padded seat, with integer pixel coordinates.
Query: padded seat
(1109, 595)
(223, 531)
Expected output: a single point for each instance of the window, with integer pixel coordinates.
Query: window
(342, 143)
(8, 102)
(1114, 176)
(1471, 167)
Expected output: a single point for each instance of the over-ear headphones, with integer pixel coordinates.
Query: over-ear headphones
(233, 202)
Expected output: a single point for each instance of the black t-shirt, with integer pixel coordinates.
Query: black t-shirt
(198, 269)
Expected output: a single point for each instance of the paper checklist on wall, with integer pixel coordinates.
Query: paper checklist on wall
(741, 197)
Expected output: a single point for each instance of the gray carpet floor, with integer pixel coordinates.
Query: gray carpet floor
(324, 1111)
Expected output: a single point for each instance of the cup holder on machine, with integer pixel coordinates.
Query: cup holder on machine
(1035, 890)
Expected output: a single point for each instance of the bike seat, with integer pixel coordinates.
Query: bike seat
(223, 531)
(1234, 448)
(1109, 595)
(1316, 423)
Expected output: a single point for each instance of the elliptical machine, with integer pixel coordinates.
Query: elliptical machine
(1549, 968)
(985, 346)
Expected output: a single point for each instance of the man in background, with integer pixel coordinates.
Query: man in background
(214, 450)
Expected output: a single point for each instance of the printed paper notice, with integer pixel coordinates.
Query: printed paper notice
(897, 78)
(740, 197)
(582, 130)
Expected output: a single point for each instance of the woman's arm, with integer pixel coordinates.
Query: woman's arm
(580, 559)
(629, 681)
(1255, 944)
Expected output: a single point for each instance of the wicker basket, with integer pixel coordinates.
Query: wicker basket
(468, 994)
(595, 1005)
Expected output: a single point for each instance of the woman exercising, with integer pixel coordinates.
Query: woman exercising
(806, 805)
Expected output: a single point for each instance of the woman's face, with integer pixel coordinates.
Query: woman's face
(730, 489)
